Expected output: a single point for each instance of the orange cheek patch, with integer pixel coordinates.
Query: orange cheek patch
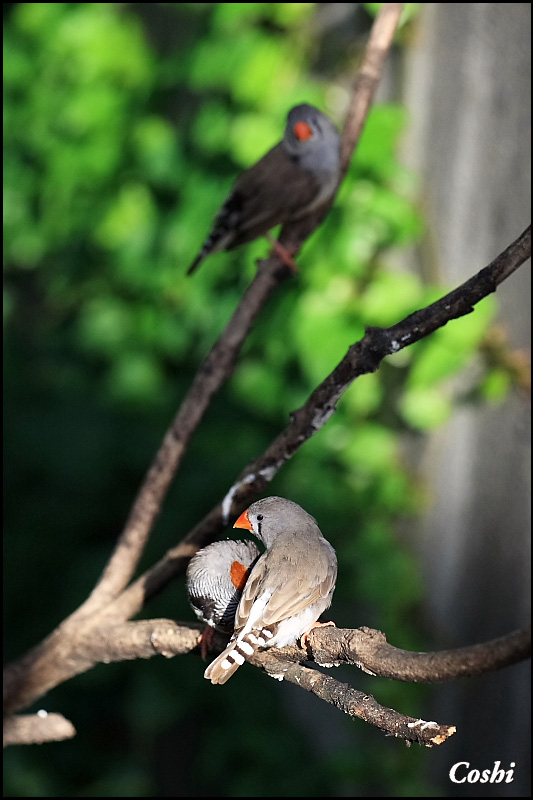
(238, 574)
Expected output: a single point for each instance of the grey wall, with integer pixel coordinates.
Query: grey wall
(467, 86)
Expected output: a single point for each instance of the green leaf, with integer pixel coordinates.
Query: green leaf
(135, 378)
(390, 297)
(425, 408)
(370, 447)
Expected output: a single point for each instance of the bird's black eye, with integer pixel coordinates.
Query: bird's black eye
(259, 517)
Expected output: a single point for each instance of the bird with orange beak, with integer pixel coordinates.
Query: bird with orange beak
(288, 587)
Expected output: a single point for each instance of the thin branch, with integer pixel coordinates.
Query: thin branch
(362, 357)
(362, 705)
(220, 363)
(215, 370)
(368, 77)
(369, 650)
(364, 647)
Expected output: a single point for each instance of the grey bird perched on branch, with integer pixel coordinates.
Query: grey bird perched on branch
(294, 178)
(288, 587)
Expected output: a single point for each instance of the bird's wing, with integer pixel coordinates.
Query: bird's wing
(280, 597)
(272, 191)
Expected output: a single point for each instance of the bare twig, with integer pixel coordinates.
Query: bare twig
(362, 705)
(362, 357)
(214, 371)
(220, 363)
(368, 77)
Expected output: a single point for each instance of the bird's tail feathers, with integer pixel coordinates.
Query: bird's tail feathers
(238, 650)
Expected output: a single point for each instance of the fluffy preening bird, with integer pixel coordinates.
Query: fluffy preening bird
(215, 579)
(295, 177)
(288, 586)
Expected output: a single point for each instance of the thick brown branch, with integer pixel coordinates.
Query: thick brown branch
(368, 649)
(51, 662)
(144, 639)
(65, 654)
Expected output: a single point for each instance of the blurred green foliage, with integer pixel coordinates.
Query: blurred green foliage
(125, 125)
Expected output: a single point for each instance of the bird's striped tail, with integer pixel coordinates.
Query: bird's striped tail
(238, 650)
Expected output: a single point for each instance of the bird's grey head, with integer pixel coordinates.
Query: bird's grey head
(273, 516)
(312, 137)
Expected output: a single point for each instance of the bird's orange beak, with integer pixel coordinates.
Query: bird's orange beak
(302, 131)
(244, 522)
